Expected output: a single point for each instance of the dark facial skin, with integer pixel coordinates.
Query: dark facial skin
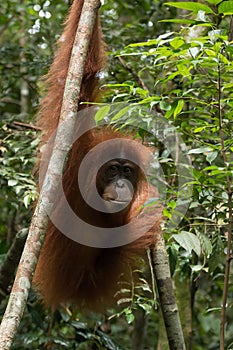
(116, 181)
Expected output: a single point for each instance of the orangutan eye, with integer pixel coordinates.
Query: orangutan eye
(113, 169)
(128, 170)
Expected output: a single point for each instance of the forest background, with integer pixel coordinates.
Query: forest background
(174, 59)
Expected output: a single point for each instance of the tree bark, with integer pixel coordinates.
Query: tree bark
(63, 142)
(167, 297)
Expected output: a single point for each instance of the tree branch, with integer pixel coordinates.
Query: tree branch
(21, 126)
(166, 295)
(63, 142)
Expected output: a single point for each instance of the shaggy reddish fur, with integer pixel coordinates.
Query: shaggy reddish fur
(68, 271)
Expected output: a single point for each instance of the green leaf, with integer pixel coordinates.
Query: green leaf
(181, 20)
(121, 113)
(211, 156)
(172, 204)
(226, 7)
(178, 108)
(200, 128)
(167, 213)
(177, 42)
(12, 183)
(212, 167)
(197, 268)
(206, 244)
(151, 42)
(191, 6)
(129, 316)
(170, 110)
(188, 241)
(27, 200)
(213, 2)
(101, 113)
(210, 53)
(164, 105)
(200, 150)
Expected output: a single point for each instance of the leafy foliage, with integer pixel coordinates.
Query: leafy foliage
(180, 69)
(189, 83)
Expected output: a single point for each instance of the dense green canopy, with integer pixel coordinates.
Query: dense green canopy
(169, 63)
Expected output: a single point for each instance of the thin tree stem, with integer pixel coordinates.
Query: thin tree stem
(166, 295)
(28, 261)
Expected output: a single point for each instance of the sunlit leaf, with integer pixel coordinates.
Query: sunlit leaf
(226, 7)
(179, 107)
(188, 241)
(101, 113)
(191, 6)
(12, 183)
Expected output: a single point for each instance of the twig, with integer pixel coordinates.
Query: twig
(135, 75)
(62, 144)
(10, 100)
(149, 257)
(230, 223)
(20, 125)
